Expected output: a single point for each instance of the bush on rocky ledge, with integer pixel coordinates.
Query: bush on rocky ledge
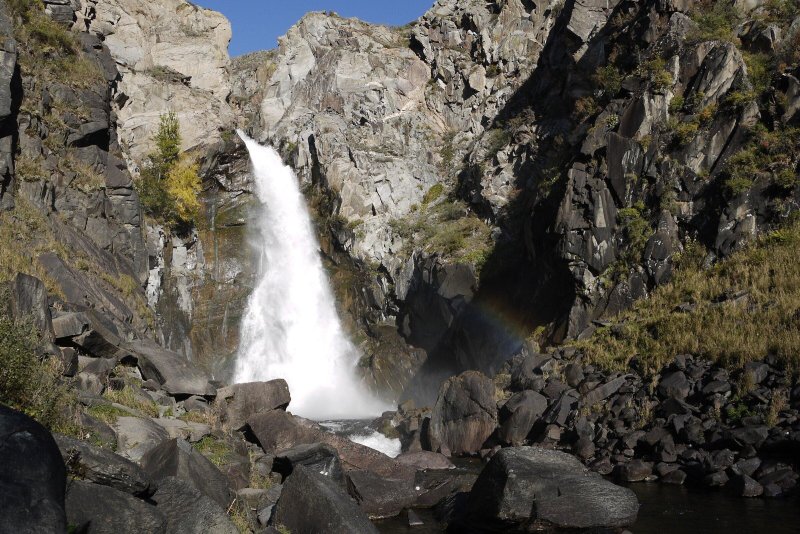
(169, 184)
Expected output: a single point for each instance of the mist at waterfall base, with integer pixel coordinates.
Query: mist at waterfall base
(291, 329)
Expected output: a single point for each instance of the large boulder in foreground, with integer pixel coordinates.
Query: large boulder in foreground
(527, 488)
(175, 457)
(241, 401)
(32, 476)
(314, 503)
(465, 414)
(104, 510)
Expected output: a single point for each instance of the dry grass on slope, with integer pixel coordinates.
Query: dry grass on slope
(742, 309)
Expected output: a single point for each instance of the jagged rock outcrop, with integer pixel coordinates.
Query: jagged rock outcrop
(593, 139)
(172, 56)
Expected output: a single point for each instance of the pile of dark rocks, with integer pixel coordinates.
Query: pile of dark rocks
(693, 422)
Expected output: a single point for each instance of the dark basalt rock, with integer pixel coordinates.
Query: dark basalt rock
(96, 509)
(32, 477)
(532, 488)
(425, 460)
(176, 458)
(313, 503)
(465, 414)
(29, 301)
(519, 414)
(242, 401)
(319, 457)
(380, 497)
(188, 511)
(103, 467)
(176, 374)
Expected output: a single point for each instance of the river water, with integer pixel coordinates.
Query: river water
(669, 509)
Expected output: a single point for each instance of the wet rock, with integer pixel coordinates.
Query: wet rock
(380, 497)
(744, 486)
(525, 486)
(189, 511)
(634, 471)
(310, 502)
(519, 414)
(103, 467)
(414, 520)
(676, 477)
(104, 510)
(177, 458)
(319, 457)
(464, 415)
(32, 476)
(425, 460)
(242, 401)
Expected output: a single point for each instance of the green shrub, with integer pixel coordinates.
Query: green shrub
(608, 79)
(636, 231)
(716, 21)
(432, 194)
(28, 383)
(496, 140)
(169, 185)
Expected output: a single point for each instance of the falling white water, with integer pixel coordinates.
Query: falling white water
(290, 329)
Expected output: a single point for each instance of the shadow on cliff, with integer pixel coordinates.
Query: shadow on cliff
(525, 288)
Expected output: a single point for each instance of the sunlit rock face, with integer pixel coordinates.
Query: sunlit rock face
(172, 56)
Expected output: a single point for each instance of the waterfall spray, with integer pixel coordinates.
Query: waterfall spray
(290, 329)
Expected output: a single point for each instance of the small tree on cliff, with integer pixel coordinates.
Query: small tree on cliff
(169, 184)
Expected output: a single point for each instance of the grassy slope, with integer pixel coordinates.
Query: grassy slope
(741, 309)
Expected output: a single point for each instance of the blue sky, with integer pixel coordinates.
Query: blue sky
(257, 24)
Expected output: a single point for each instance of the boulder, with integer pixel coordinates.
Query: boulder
(278, 431)
(176, 458)
(531, 488)
(380, 497)
(103, 467)
(136, 436)
(242, 401)
(188, 430)
(177, 375)
(519, 414)
(96, 509)
(465, 414)
(674, 385)
(32, 476)
(313, 503)
(188, 511)
(424, 460)
(319, 457)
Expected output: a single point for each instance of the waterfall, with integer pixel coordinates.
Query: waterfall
(291, 329)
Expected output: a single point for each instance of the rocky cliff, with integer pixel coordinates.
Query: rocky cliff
(503, 171)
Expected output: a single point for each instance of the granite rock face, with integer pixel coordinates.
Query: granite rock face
(172, 56)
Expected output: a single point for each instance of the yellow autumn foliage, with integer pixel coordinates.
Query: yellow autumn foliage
(183, 187)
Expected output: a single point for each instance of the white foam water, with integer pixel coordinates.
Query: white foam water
(290, 329)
